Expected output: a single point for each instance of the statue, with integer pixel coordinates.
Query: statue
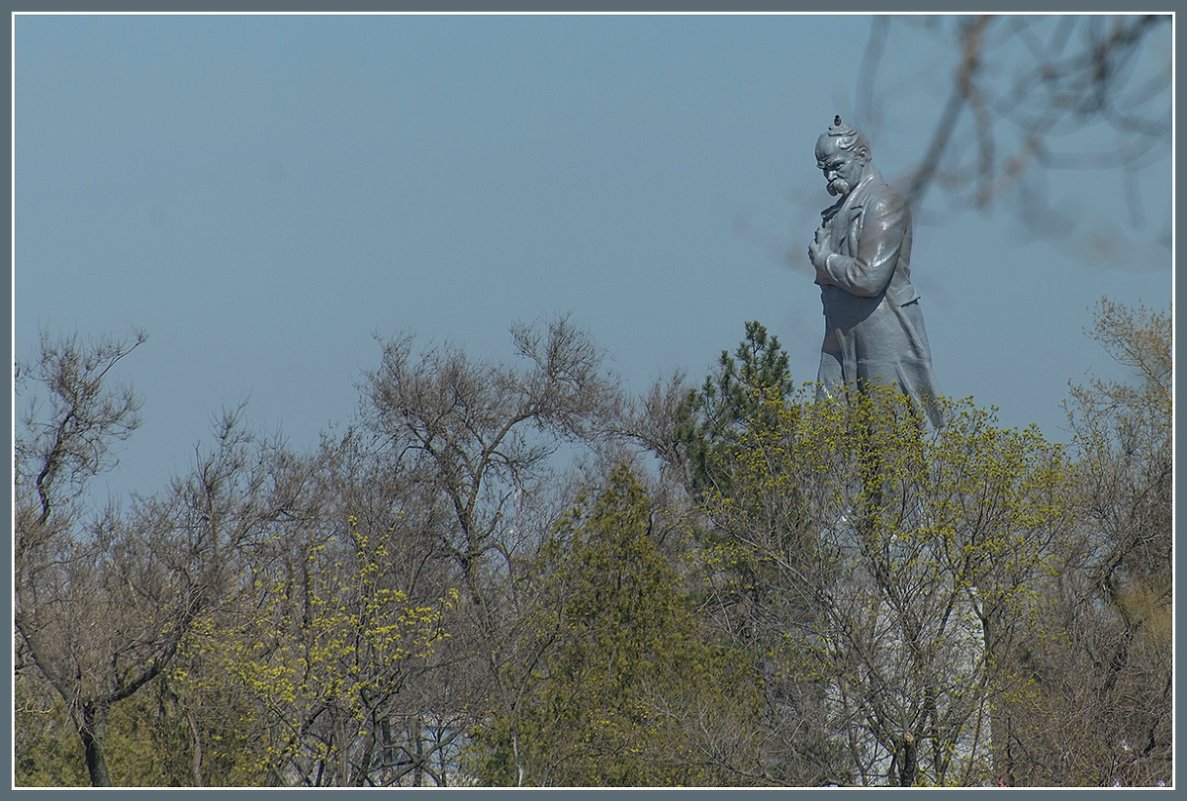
(862, 254)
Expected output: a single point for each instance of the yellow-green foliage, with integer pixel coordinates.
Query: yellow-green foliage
(47, 751)
(146, 741)
(909, 556)
(325, 639)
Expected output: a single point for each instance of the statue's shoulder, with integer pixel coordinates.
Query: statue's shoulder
(884, 198)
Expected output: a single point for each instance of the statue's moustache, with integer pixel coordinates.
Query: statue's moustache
(838, 186)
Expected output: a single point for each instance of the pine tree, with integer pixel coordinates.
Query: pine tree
(627, 691)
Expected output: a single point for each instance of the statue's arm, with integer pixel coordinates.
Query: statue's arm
(867, 274)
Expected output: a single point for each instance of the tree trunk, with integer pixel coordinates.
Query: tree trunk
(418, 751)
(909, 762)
(91, 725)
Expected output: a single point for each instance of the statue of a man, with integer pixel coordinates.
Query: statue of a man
(862, 254)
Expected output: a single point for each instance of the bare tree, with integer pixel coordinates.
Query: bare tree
(93, 617)
(1031, 95)
(103, 599)
(479, 439)
(1101, 661)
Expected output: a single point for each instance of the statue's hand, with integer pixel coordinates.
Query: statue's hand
(819, 249)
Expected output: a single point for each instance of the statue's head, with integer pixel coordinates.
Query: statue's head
(842, 154)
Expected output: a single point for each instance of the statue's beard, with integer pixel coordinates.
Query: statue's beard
(838, 186)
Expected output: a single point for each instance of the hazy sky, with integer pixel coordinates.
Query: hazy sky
(263, 194)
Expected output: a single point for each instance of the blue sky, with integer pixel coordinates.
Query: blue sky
(263, 194)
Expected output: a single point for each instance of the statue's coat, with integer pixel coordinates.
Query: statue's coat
(873, 325)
